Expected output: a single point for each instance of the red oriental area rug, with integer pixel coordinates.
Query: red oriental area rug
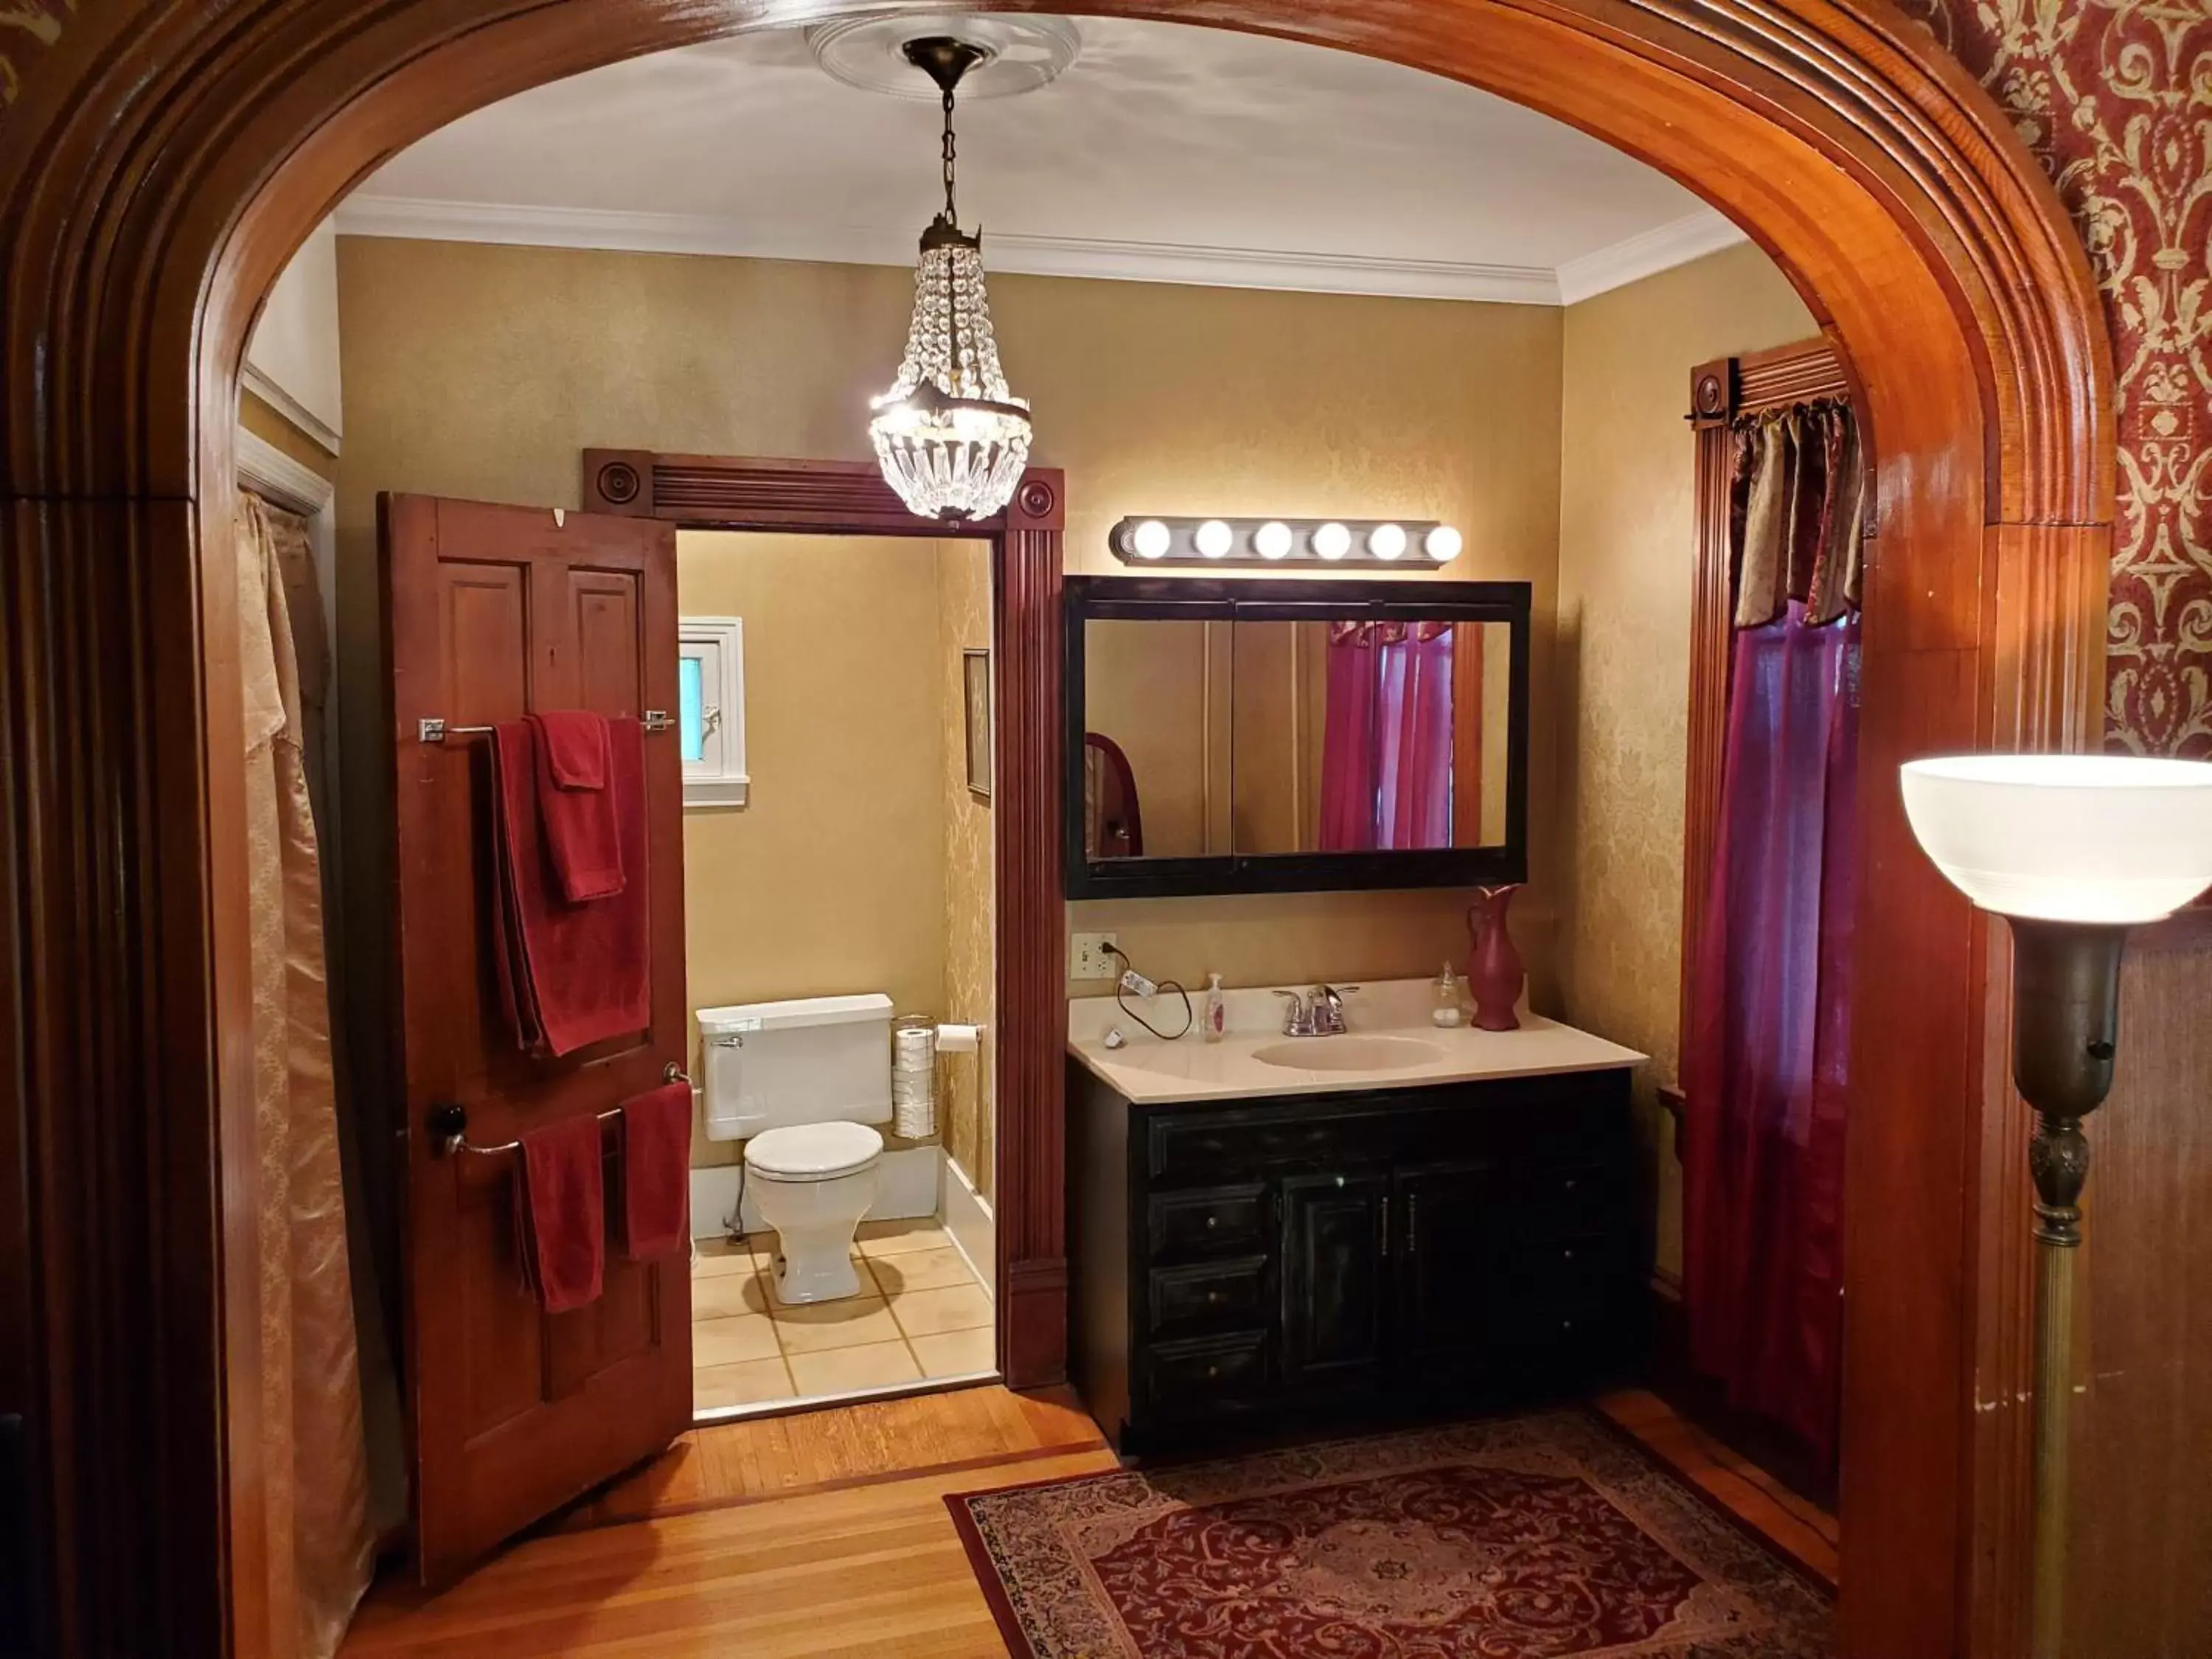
(1548, 1536)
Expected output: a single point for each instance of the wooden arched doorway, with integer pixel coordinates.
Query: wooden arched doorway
(158, 164)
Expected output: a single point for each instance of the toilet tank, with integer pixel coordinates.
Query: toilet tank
(811, 1059)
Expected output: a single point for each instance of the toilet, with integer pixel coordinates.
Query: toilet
(801, 1082)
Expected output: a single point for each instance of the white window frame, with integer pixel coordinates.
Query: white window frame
(719, 780)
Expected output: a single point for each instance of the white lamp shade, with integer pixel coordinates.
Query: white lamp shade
(2089, 838)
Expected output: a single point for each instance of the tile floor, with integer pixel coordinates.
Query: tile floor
(921, 1314)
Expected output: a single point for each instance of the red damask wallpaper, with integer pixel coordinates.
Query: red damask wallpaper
(2115, 96)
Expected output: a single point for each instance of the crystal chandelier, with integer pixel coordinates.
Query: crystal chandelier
(950, 437)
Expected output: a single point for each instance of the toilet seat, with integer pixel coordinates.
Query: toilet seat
(813, 1152)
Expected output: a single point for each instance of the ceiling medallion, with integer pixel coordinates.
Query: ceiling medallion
(950, 437)
(1022, 53)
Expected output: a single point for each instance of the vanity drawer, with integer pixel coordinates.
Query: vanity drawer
(1203, 1146)
(1210, 1378)
(1209, 1296)
(1208, 1222)
(1568, 1198)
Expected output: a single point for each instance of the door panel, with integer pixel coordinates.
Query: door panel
(1450, 1228)
(493, 612)
(1334, 1237)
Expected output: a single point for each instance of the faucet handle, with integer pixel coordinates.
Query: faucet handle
(1297, 1018)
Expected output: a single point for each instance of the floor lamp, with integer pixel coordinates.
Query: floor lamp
(2072, 851)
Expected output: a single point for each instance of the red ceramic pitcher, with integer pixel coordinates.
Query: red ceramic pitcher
(1494, 973)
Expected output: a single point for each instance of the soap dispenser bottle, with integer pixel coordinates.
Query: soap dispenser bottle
(1447, 1009)
(1216, 1009)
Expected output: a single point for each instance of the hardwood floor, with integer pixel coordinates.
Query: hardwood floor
(1800, 1526)
(801, 1537)
(825, 1534)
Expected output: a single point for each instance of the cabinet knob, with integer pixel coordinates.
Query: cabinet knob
(1566, 1255)
(1211, 1222)
(1567, 1324)
(1213, 1295)
(1568, 1186)
(1339, 1180)
(1212, 1372)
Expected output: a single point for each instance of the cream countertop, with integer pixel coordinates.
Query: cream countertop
(1148, 1071)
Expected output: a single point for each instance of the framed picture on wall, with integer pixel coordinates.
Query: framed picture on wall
(976, 679)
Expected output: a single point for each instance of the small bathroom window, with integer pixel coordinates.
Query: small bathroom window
(711, 710)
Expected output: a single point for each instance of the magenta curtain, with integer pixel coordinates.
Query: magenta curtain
(1763, 1074)
(1387, 737)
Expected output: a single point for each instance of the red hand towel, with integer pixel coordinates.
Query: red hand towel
(562, 1208)
(576, 807)
(576, 747)
(656, 1168)
(572, 974)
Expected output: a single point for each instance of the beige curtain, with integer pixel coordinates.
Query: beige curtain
(314, 1459)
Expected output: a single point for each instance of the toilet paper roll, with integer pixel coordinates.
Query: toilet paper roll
(959, 1039)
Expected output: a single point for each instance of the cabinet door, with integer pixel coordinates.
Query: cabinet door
(1447, 1265)
(1334, 1261)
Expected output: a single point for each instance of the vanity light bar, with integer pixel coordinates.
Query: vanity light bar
(1405, 542)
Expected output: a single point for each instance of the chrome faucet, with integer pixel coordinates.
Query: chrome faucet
(1329, 1009)
(1322, 1017)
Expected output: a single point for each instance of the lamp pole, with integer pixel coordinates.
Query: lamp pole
(2065, 1027)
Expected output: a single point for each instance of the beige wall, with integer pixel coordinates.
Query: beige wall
(964, 1082)
(481, 371)
(831, 877)
(1625, 560)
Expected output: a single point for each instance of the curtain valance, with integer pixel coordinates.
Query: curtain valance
(1799, 507)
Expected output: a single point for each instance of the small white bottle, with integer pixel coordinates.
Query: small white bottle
(1216, 1009)
(1447, 1011)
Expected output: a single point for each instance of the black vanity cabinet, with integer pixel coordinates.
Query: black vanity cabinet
(1336, 1259)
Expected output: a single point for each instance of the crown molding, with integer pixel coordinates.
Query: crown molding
(429, 219)
(1646, 254)
(304, 419)
(267, 470)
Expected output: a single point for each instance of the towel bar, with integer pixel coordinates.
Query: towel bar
(448, 1123)
(433, 730)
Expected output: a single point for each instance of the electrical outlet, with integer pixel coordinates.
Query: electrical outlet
(1087, 957)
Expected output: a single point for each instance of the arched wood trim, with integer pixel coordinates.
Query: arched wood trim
(161, 161)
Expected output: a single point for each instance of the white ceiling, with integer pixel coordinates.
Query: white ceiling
(1165, 153)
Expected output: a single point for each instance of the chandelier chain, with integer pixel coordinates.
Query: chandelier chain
(951, 214)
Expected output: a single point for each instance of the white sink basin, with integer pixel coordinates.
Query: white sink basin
(1349, 1054)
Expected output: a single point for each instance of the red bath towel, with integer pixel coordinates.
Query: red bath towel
(656, 1168)
(571, 975)
(575, 804)
(561, 1210)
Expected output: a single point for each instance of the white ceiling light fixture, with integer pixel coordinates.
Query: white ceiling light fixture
(1212, 541)
(950, 437)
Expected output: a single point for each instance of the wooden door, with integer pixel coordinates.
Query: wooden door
(1446, 1255)
(493, 612)
(1336, 1241)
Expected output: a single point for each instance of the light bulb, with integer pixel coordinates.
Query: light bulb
(1332, 541)
(1386, 541)
(1272, 540)
(1443, 543)
(1215, 539)
(1153, 539)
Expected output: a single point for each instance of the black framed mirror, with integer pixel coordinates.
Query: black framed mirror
(1276, 737)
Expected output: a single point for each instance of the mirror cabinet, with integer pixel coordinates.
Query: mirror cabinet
(1270, 737)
